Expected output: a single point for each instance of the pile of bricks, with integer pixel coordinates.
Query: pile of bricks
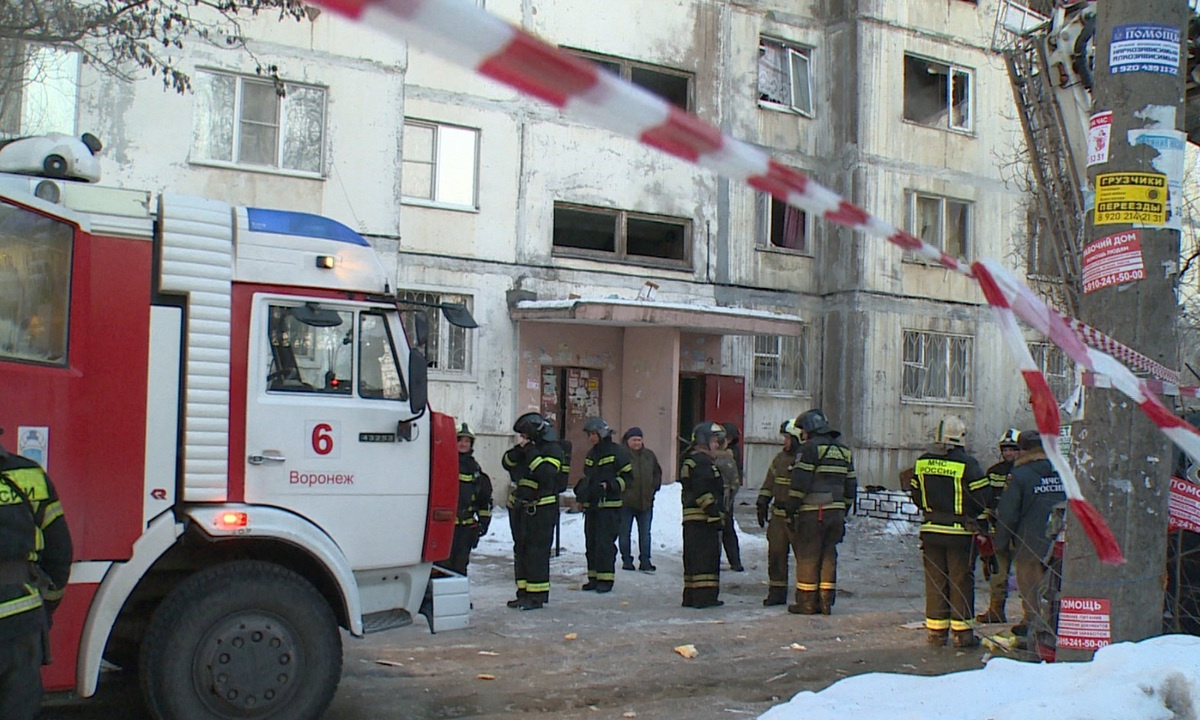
(887, 505)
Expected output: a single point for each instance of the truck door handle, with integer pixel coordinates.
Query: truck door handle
(260, 459)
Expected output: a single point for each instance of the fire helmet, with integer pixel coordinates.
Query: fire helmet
(599, 426)
(1010, 438)
(705, 431)
(462, 430)
(951, 431)
(813, 421)
(532, 425)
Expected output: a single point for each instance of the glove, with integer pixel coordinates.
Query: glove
(483, 525)
(762, 508)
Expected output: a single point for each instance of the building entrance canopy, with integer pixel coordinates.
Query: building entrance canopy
(691, 317)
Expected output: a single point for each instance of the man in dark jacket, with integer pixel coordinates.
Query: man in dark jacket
(536, 496)
(1034, 488)
(474, 502)
(701, 493)
(951, 490)
(35, 563)
(821, 489)
(638, 501)
(606, 472)
(1001, 557)
(729, 462)
(775, 487)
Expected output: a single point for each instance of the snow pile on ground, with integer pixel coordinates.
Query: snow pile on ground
(666, 529)
(1154, 679)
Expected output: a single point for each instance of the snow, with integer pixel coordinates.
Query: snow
(666, 529)
(1154, 679)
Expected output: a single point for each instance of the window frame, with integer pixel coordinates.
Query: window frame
(437, 165)
(45, 71)
(439, 360)
(923, 366)
(766, 212)
(1061, 383)
(620, 228)
(54, 328)
(625, 68)
(911, 198)
(235, 160)
(802, 349)
(952, 70)
(792, 51)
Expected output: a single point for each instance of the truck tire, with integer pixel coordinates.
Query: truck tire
(245, 639)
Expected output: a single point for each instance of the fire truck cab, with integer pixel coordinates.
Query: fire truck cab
(226, 402)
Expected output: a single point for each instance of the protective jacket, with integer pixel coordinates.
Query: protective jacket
(823, 475)
(516, 462)
(474, 493)
(644, 481)
(701, 490)
(997, 480)
(607, 472)
(539, 485)
(35, 547)
(1033, 491)
(778, 482)
(951, 491)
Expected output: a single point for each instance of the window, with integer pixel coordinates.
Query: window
(937, 366)
(937, 94)
(781, 363)
(784, 79)
(449, 346)
(1042, 248)
(621, 235)
(440, 164)
(247, 121)
(674, 86)
(35, 283)
(942, 222)
(1055, 366)
(783, 227)
(311, 349)
(378, 374)
(39, 89)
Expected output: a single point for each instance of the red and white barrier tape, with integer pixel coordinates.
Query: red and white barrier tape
(461, 33)
(1129, 356)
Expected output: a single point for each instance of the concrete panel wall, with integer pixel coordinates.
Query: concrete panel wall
(650, 390)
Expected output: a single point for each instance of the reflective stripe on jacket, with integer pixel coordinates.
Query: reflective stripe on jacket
(951, 490)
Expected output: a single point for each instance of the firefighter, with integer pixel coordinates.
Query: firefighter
(536, 497)
(822, 486)
(516, 462)
(474, 502)
(729, 462)
(998, 564)
(951, 490)
(702, 492)
(775, 487)
(35, 562)
(606, 473)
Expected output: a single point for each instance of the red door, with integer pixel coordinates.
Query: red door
(725, 399)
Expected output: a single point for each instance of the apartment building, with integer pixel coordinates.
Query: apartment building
(608, 278)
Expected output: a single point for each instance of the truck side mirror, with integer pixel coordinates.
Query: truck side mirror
(418, 381)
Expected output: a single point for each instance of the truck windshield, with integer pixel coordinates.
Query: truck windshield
(35, 283)
(310, 358)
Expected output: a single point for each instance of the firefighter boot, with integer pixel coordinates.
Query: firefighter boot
(776, 596)
(965, 639)
(994, 613)
(806, 603)
(827, 599)
(937, 638)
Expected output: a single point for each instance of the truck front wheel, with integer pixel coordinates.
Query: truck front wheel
(246, 639)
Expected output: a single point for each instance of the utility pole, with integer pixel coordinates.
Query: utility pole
(1122, 460)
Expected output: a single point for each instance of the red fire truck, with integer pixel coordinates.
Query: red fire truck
(226, 401)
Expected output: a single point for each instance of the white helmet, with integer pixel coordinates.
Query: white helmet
(951, 431)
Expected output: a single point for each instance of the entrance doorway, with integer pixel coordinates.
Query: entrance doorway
(570, 396)
(719, 398)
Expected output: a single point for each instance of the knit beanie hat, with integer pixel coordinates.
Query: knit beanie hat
(631, 432)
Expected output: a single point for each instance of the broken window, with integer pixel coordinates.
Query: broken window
(674, 86)
(246, 121)
(623, 235)
(783, 227)
(937, 94)
(937, 366)
(784, 80)
(942, 222)
(1055, 366)
(440, 164)
(782, 362)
